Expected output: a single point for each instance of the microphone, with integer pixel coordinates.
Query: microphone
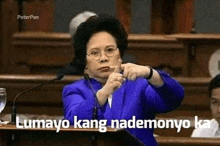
(14, 109)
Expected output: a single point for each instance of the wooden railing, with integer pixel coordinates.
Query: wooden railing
(180, 55)
(49, 96)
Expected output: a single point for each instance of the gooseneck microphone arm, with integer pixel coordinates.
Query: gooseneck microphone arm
(14, 109)
(95, 108)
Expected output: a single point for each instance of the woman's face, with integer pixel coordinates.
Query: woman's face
(101, 52)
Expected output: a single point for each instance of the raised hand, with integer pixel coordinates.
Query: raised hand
(115, 80)
(132, 71)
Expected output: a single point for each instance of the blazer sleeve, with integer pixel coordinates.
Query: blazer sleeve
(76, 104)
(165, 98)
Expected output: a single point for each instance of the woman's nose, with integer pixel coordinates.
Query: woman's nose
(103, 57)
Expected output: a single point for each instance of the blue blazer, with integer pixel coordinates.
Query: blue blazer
(135, 98)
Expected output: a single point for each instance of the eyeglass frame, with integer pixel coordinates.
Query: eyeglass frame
(115, 48)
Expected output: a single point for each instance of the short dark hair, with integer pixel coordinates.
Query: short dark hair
(214, 83)
(93, 25)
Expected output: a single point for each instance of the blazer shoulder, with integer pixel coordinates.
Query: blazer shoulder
(75, 84)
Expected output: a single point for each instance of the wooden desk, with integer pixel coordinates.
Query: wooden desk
(81, 137)
(187, 141)
(67, 137)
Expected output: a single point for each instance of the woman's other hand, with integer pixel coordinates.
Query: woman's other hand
(132, 71)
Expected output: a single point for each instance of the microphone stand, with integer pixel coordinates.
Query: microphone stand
(14, 108)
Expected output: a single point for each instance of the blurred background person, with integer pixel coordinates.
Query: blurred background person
(214, 94)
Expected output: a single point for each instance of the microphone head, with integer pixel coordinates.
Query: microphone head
(60, 76)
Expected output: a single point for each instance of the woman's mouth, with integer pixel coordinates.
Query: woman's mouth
(104, 69)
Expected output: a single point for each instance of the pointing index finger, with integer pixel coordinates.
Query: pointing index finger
(118, 67)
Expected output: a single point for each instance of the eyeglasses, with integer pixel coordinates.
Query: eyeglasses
(96, 53)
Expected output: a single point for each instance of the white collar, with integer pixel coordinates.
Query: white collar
(110, 101)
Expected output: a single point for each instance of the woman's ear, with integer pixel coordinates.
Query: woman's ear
(86, 71)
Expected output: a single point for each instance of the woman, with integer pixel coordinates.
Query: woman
(120, 91)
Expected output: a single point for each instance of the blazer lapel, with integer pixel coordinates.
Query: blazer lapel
(117, 99)
(117, 102)
(107, 113)
(95, 85)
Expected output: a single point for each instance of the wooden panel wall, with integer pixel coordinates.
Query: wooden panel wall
(123, 13)
(199, 48)
(165, 19)
(167, 16)
(172, 16)
(9, 27)
(157, 50)
(46, 52)
(162, 21)
(40, 52)
(44, 9)
(1, 38)
(183, 16)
